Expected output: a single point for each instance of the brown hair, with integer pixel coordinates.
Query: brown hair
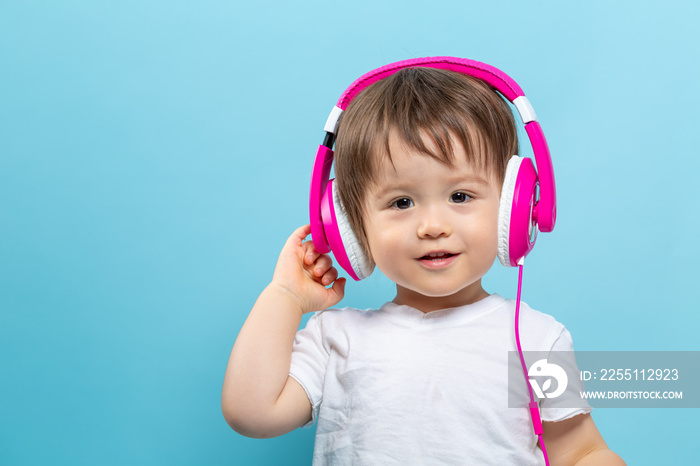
(416, 103)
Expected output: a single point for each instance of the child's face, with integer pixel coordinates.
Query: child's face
(432, 228)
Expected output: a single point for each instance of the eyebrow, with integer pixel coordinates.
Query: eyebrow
(471, 179)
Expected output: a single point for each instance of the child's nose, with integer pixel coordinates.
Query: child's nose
(433, 224)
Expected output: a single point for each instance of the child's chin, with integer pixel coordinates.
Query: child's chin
(440, 290)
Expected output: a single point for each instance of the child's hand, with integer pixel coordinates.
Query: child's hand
(303, 273)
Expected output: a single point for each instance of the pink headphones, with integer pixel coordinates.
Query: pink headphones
(520, 214)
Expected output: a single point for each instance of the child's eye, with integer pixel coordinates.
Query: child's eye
(402, 203)
(459, 197)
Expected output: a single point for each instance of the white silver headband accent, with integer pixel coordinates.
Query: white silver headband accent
(332, 121)
(527, 113)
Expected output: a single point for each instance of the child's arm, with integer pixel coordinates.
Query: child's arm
(259, 399)
(576, 441)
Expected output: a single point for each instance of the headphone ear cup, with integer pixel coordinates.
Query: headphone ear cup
(517, 231)
(342, 240)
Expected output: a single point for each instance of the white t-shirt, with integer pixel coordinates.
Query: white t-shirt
(398, 386)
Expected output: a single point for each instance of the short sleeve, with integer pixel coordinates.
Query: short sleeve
(309, 361)
(570, 403)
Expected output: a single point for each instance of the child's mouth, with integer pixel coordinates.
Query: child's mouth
(437, 259)
(437, 256)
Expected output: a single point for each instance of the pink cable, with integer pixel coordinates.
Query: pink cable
(534, 410)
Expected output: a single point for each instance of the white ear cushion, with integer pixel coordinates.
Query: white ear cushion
(360, 262)
(504, 208)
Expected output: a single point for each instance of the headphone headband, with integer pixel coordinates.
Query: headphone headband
(487, 73)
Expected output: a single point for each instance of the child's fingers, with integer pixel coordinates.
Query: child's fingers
(299, 235)
(296, 240)
(322, 265)
(335, 293)
(310, 253)
(329, 277)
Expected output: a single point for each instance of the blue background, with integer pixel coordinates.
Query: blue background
(155, 155)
